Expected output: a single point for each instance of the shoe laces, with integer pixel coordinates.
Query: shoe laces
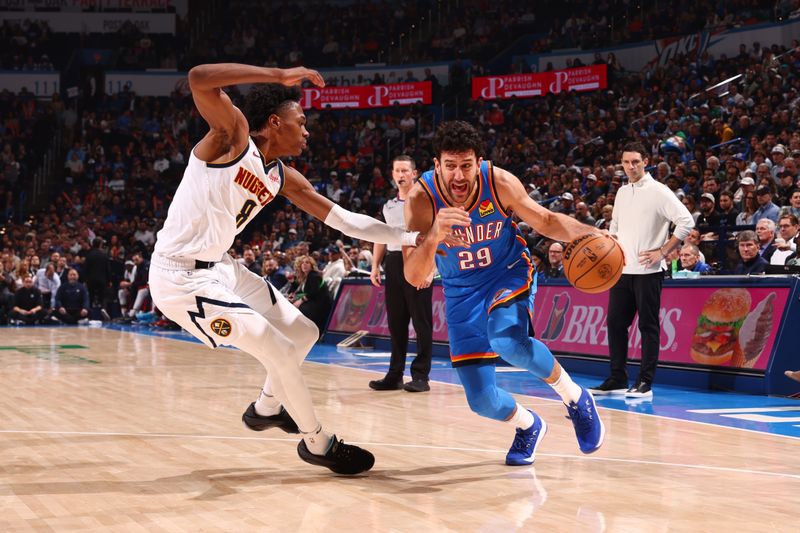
(340, 450)
(583, 419)
(522, 440)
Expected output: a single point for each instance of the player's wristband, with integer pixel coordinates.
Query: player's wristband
(410, 238)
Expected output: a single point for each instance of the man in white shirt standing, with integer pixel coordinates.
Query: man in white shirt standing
(643, 211)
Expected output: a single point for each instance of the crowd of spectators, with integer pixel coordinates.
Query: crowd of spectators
(130, 152)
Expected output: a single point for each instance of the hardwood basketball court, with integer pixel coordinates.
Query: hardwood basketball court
(111, 430)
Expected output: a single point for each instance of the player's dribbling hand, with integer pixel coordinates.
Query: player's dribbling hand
(294, 76)
(446, 220)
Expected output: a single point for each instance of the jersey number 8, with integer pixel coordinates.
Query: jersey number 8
(467, 260)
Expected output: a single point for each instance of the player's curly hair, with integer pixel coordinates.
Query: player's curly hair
(457, 136)
(266, 99)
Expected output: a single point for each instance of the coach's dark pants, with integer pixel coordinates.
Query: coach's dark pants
(404, 302)
(632, 294)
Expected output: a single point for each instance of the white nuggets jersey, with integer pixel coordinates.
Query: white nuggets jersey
(214, 202)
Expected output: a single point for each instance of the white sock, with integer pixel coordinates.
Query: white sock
(569, 391)
(267, 405)
(522, 418)
(318, 441)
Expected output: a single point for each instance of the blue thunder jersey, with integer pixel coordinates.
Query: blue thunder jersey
(496, 268)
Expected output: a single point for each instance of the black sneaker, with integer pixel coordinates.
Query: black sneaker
(256, 422)
(417, 385)
(341, 458)
(386, 383)
(608, 387)
(640, 390)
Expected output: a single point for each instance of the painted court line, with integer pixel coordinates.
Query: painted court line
(415, 446)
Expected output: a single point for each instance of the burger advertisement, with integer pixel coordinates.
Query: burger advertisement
(729, 332)
(700, 326)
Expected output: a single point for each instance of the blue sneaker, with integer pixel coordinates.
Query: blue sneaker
(588, 427)
(523, 450)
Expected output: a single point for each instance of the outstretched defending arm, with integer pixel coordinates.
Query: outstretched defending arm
(297, 189)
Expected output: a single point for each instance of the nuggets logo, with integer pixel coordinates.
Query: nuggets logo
(486, 208)
(221, 327)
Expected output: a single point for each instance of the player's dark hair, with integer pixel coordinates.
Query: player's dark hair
(267, 99)
(458, 137)
(635, 146)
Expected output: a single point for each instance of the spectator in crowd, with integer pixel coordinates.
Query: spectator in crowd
(605, 221)
(123, 292)
(72, 300)
(751, 262)
(555, 261)
(747, 186)
(794, 258)
(765, 232)
(565, 204)
(785, 242)
(727, 211)
(311, 297)
(708, 214)
(48, 283)
(248, 259)
(272, 274)
(690, 260)
(749, 207)
(794, 204)
(335, 270)
(139, 288)
(766, 208)
(582, 214)
(27, 308)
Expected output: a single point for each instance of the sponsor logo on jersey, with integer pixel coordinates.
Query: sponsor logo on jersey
(221, 327)
(250, 182)
(486, 208)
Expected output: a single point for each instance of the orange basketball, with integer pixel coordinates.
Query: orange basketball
(593, 263)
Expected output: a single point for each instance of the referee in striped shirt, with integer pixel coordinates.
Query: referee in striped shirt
(643, 212)
(403, 300)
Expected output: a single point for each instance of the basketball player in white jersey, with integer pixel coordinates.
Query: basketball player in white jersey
(233, 172)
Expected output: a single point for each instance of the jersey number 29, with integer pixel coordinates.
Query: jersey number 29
(481, 258)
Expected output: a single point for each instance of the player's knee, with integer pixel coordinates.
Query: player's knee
(486, 402)
(308, 336)
(516, 348)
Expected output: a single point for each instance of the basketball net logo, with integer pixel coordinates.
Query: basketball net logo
(221, 327)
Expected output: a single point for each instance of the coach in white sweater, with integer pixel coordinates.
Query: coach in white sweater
(643, 212)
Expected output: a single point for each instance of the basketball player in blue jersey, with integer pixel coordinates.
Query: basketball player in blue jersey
(232, 173)
(489, 285)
